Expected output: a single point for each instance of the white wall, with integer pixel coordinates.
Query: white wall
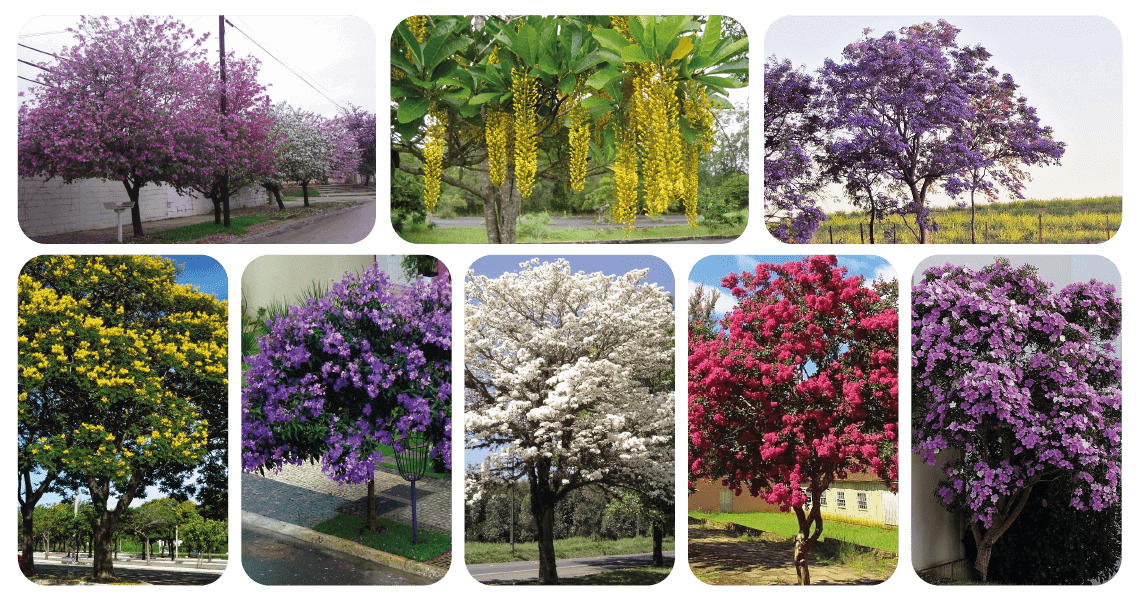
(53, 207)
(282, 278)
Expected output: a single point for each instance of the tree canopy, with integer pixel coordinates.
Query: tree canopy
(522, 99)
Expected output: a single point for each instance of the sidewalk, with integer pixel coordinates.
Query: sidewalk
(133, 561)
(324, 204)
(301, 496)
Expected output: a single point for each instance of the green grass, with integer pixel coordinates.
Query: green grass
(784, 524)
(298, 194)
(392, 537)
(471, 235)
(566, 548)
(387, 451)
(237, 227)
(642, 576)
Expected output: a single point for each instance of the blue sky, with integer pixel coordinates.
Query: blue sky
(210, 277)
(1070, 68)
(659, 271)
(710, 270)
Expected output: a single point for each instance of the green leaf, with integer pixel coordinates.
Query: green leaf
(723, 82)
(592, 59)
(444, 69)
(483, 98)
(610, 39)
(711, 38)
(595, 101)
(734, 48)
(602, 78)
(547, 65)
(739, 65)
(634, 54)
(667, 31)
(410, 40)
(567, 85)
(412, 108)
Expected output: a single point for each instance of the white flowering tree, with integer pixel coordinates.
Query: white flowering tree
(564, 386)
(310, 148)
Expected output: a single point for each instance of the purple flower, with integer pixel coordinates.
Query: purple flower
(317, 389)
(1044, 403)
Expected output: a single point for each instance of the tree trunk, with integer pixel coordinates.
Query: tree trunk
(972, 239)
(542, 508)
(658, 557)
(136, 212)
(501, 208)
(217, 211)
(986, 540)
(806, 539)
(27, 541)
(305, 191)
(371, 522)
(106, 520)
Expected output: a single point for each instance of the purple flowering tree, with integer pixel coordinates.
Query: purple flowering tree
(368, 364)
(1015, 384)
(793, 127)
(361, 125)
(905, 99)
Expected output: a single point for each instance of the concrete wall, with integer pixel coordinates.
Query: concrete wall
(282, 278)
(53, 207)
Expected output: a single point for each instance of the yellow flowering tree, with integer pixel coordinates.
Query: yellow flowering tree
(118, 367)
(562, 99)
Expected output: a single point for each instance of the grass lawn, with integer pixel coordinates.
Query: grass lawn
(187, 233)
(566, 548)
(784, 524)
(471, 235)
(392, 537)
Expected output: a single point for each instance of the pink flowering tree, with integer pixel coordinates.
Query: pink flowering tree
(362, 125)
(121, 104)
(1015, 384)
(796, 387)
(238, 149)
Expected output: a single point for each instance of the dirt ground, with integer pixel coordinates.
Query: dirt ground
(723, 557)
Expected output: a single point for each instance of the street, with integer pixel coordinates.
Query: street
(342, 227)
(491, 573)
(149, 575)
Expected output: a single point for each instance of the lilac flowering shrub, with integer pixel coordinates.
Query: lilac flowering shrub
(365, 365)
(1013, 384)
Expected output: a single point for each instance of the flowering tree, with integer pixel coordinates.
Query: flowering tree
(311, 147)
(362, 125)
(793, 127)
(797, 387)
(124, 358)
(1015, 384)
(236, 149)
(563, 386)
(914, 103)
(119, 105)
(368, 364)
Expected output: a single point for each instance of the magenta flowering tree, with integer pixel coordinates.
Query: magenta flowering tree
(1015, 384)
(121, 104)
(794, 388)
(238, 149)
(361, 125)
(366, 365)
(929, 113)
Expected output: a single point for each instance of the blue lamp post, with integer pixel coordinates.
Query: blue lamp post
(412, 460)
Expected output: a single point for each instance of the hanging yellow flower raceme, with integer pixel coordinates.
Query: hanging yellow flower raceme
(625, 180)
(418, 25)
(498, 133)
(579, 143)
(435, 146)
(525, 91)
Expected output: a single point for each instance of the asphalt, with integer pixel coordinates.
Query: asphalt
(498, 573)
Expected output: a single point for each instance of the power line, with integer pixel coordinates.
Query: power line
(303, 72)
(36, 49)
(32, 80)
(228, 22)
(32, 35)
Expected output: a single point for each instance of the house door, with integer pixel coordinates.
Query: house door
(725, 501)
(890, 508)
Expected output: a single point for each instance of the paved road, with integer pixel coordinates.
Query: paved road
(270, 559)
(491, 573)
(342, 227)
(154, 574)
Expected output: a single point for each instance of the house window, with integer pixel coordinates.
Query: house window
(861, 500)
(840, 499)
(823, 498)
(807, 504)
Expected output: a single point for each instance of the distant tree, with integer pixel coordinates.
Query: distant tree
(361, 125)
(793, 130)
(311, 148)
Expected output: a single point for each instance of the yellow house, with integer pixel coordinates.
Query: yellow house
(860, 499)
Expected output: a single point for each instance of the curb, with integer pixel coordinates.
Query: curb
(339, 544)
(290, 224)
(640, 240)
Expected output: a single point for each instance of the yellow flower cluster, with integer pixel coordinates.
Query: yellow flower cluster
(625, 181)
(660, 136)
(435, 146)
(579, 144)
(119, 359)
(651, 126)
(525, 91)
(418, 26)
(498, 132)
(621, 24)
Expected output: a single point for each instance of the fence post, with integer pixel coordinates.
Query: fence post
(861, 233)
(1107, 229)
(830, 235)
(986, 233)
(1040, 221)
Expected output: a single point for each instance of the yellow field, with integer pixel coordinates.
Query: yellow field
(1081, 221)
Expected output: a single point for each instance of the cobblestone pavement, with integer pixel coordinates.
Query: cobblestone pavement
(303, 495)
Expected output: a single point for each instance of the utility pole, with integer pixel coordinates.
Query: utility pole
(222, 61)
